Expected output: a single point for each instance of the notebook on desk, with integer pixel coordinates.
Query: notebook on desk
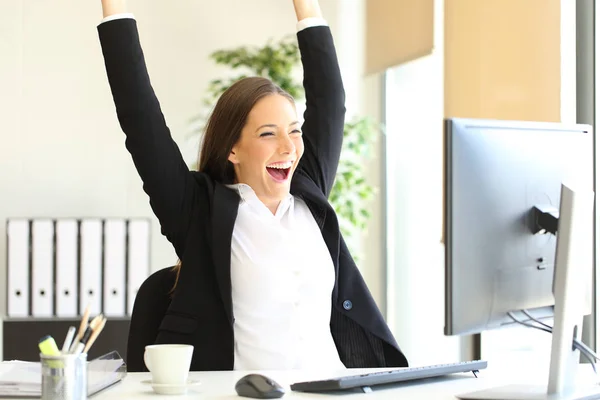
(23, 379)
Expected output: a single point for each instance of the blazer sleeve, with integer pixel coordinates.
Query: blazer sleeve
(323, 128)
(165, 176)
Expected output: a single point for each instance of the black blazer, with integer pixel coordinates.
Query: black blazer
(197, 214)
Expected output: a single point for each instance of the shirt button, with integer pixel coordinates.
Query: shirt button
(347, 305)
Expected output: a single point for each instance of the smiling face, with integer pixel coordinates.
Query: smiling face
(269, 149)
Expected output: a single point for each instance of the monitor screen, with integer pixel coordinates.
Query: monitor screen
(496, 174)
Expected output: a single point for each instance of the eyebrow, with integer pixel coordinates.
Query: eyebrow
(274, 126)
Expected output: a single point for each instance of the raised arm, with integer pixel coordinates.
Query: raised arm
(323, 128)
(166, 179)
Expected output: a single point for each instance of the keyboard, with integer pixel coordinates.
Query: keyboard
(365, 381)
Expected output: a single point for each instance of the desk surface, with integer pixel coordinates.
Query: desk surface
(220, 385)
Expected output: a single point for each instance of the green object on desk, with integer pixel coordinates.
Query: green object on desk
(48, 346)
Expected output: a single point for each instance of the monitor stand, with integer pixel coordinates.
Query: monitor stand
(574, 260)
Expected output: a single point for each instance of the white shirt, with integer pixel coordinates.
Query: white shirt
(282, 277)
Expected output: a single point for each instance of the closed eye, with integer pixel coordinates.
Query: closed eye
(264, 134)
(296, 131)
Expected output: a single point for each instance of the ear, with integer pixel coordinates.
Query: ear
(233, 157)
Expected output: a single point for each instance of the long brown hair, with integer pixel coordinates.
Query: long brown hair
(224, 128)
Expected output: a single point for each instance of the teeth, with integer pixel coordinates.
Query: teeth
(284, 165)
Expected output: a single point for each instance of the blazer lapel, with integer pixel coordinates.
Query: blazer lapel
(225, 209)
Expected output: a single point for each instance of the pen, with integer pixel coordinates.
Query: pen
(68, 339)
(97, 319)
(96, 322)
(82, 326)
(94, 336)
(81, 345)
(48, 346)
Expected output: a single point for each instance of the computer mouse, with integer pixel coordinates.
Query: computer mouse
(258, 386)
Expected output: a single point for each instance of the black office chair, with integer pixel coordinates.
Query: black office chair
(151, 304)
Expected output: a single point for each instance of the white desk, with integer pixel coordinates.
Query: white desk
(220, 385)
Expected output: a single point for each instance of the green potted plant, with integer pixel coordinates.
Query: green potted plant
(278, 62)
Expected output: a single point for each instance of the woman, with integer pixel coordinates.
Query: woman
(265, 280)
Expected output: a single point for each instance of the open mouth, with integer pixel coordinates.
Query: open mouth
(280, 172)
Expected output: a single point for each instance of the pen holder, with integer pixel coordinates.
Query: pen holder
(64, 377)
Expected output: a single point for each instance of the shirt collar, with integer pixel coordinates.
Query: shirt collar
(243, 190)
(248, 195)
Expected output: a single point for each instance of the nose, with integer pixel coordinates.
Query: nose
(286, 145)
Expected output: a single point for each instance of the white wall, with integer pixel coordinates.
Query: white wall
(62, 152)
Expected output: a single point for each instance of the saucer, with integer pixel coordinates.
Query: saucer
(167, 388)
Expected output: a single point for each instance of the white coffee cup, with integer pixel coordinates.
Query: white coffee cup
(169, 364)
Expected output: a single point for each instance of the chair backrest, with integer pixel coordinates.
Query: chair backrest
(151, 304)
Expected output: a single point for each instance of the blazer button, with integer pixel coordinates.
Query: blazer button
(347, 305)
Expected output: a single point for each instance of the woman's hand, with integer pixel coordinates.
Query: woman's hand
(112, 7)
(307, 9)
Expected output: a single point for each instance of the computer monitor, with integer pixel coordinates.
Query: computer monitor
(500, 176)
(519, 205)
